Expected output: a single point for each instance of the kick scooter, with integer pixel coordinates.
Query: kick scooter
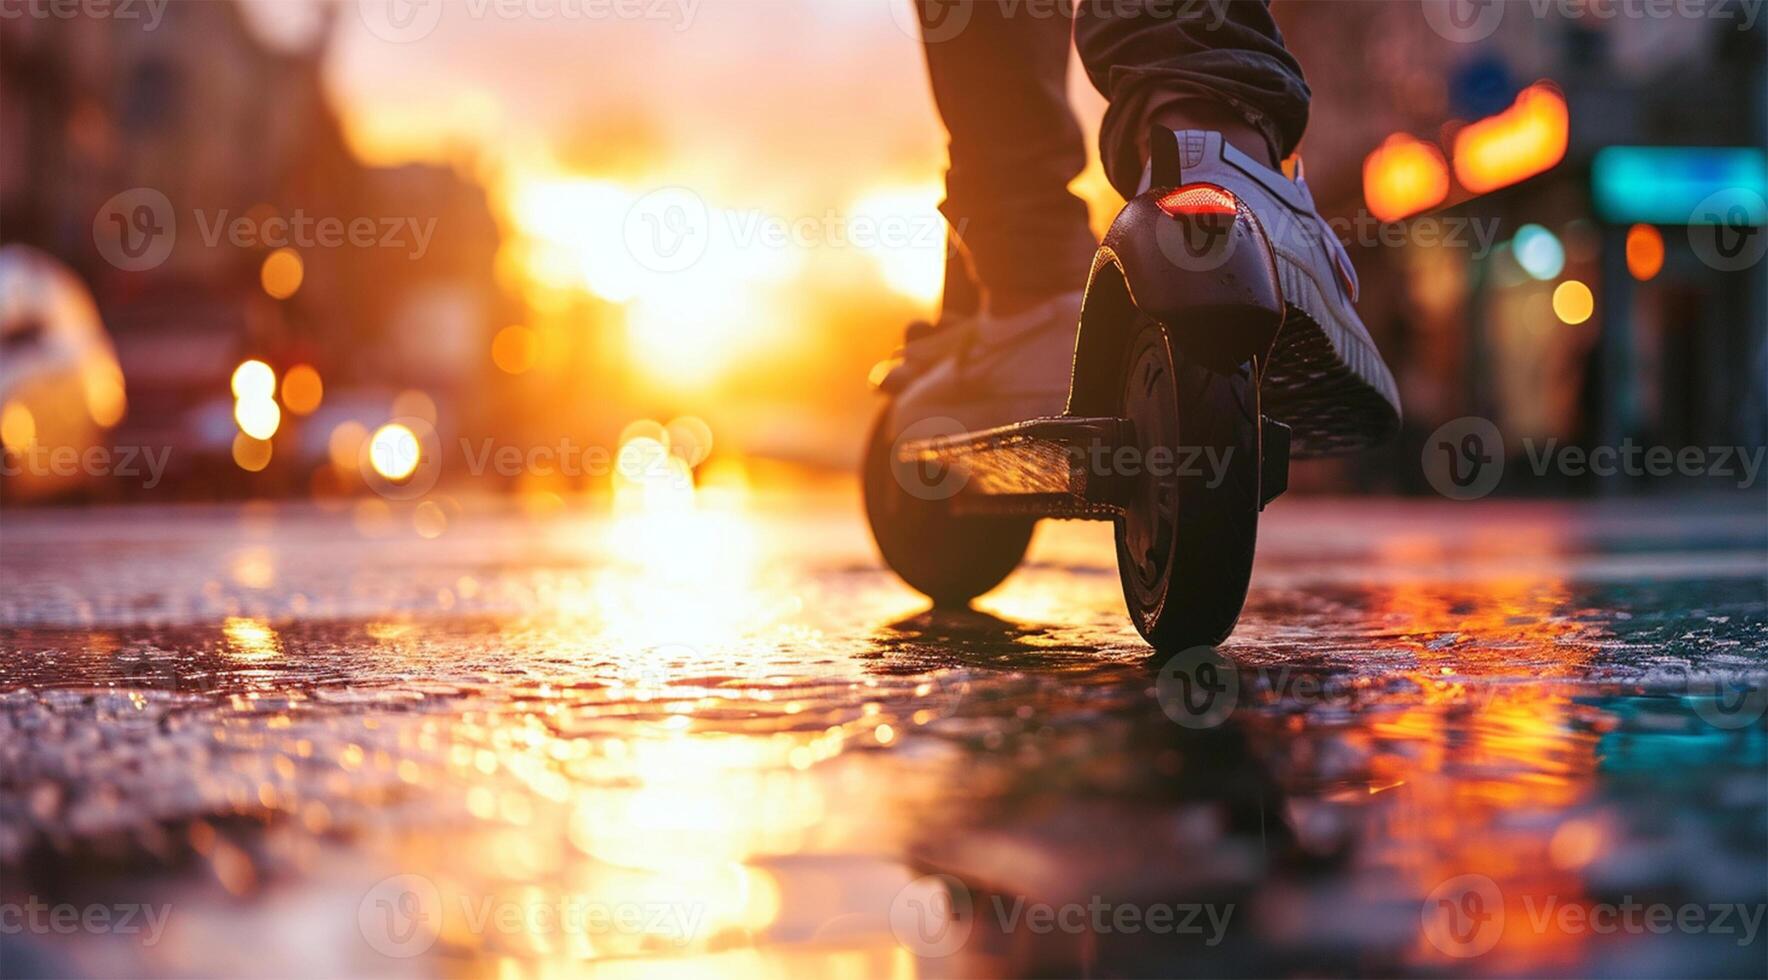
(1181, 311)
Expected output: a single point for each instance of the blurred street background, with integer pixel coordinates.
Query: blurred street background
(429, 442)
(461, 216)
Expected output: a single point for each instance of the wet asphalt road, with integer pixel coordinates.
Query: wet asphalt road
(1452, 739)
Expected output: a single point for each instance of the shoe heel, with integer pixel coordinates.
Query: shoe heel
(1225, 337)
(1219, 299)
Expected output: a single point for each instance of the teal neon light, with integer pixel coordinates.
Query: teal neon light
(1672, 185)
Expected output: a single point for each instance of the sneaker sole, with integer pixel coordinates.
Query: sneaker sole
(1325, 379)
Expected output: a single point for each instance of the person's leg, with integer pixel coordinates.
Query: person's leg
(999, 77)
(1189, 64)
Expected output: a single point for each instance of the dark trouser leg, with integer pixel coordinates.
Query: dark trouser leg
(1000, 80)
(1152, 57)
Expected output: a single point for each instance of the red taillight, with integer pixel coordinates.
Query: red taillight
(1197, 201)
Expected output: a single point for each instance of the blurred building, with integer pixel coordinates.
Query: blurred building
(238, 131)
(1464, 293)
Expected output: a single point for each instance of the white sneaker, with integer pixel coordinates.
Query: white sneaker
(987, 371)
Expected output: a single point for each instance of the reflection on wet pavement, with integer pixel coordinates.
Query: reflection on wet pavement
(1451, 739)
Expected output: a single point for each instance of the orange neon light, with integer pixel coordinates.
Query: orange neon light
(1404, 176)
(1520, 142)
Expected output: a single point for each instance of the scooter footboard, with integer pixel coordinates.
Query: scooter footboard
(1046, 467)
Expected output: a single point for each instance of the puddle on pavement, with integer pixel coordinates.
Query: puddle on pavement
(751, 764)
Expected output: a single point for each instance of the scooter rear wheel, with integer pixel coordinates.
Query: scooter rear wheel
(1185, 542)
(950, 558)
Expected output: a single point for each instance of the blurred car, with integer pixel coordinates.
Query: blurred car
(61, 388)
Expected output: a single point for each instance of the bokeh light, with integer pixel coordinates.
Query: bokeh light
(344, 444)
(105, 401)
(640, 458)
(1645, 252)
(643, 429)
(302, 389)
(1539, 252)
(909, 249)
(429, 520)
(372, 517)
(1404, 176)
(251, 454)
(688, 328)
(254, 379)
(1516, 144)
(412, 403)
(18, 427)
(1573, 302)
(393, 451)
(257, 417)
(515, 349)
(282, 273)
(690, 438)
